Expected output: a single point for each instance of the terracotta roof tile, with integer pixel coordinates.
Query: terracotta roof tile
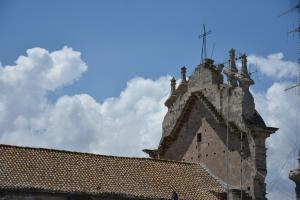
(66, 172)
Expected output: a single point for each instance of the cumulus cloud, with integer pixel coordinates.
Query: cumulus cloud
(280, 109)
(122, 125)
(23, 86)
(274, 65)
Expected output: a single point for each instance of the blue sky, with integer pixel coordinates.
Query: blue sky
(123, 39)
(53, 97)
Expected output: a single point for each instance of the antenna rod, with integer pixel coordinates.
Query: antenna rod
(212, 51)
(242, 154)
(297, 7)
(298, 81)
(295, 30)
(227, 145)
(204, 42)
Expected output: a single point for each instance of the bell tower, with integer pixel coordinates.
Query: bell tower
(215, 123)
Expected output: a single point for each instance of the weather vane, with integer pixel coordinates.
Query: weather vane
(203, 37)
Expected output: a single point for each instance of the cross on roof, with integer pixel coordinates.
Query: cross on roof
(203, 36)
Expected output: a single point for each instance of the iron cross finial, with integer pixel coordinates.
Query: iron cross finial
(203, 36)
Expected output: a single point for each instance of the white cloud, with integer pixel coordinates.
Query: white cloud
(280, 109)
(23, 87)
(120, 126)
(274, 65)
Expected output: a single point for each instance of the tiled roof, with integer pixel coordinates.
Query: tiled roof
(38, 169)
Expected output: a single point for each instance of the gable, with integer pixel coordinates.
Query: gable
(185, 134)
(203, 109)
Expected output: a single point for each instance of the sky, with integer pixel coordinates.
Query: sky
(93, 75)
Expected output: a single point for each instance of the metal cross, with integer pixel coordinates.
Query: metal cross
(203, 36)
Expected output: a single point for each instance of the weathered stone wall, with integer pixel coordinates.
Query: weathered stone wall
(203, 140)
(236, 105)
(185, 136)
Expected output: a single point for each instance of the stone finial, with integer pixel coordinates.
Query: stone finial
(183, 74)
(208, 62)
(173, 85)
(232, 64)
(174, 93)
(244, 69)
(294, 175)
(244, 76)
(220, 67)
(231, 70)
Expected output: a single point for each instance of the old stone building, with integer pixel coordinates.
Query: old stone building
(216, 124)
(212, 145)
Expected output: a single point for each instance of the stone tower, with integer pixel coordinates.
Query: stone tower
(295, 176)
(209, 120)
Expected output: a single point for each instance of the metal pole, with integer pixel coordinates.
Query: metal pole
(227, 144)
(242, 154)
(204, 41)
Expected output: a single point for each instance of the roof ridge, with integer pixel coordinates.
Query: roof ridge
(183, 111)
(213, 110)
(91, 154)
(208, 105)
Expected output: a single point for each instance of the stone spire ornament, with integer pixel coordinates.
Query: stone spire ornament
(173, 95)
(232, 64)
(243, 76)
(231, 70)
(244, 70)
(294, 175)
(173, 85)
(183, 74)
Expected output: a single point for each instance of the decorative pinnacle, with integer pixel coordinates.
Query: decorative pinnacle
(294, 175)
(244, 71)
(183, 74)
(173, 85)
(231, 70)
(232, 65)
(243, 76)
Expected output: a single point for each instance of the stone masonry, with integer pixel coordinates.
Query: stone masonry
(295, 176)
(202, 110)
